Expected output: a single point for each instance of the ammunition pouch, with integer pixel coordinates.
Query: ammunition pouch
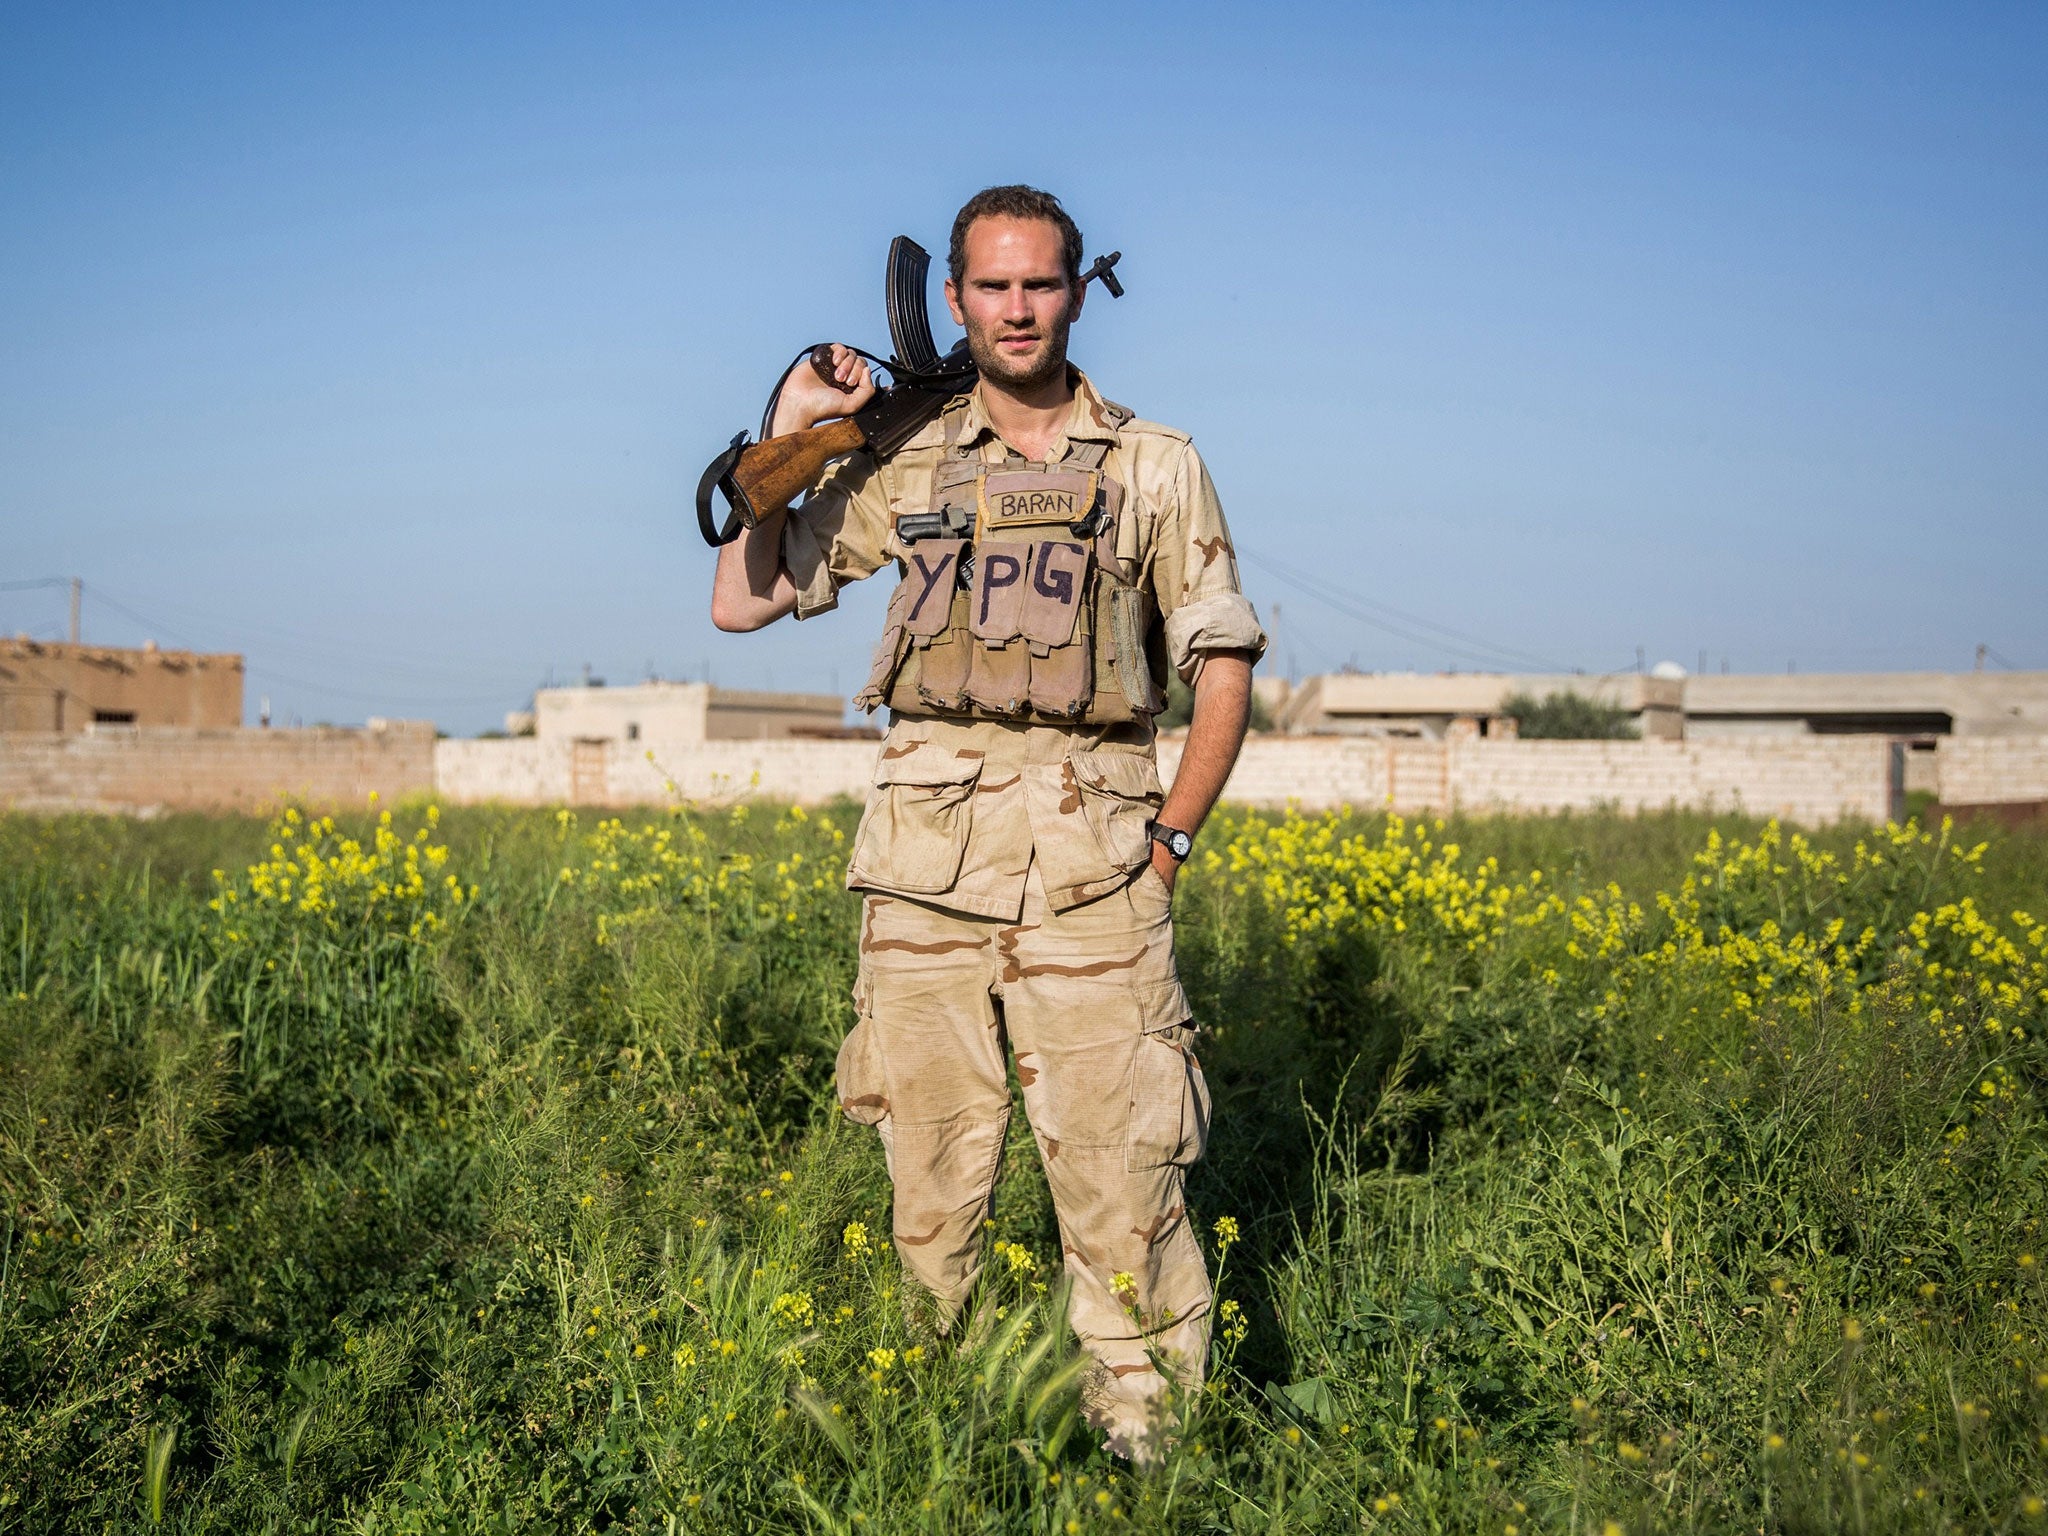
(1013, 605)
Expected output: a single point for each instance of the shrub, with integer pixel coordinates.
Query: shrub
(1569, 716)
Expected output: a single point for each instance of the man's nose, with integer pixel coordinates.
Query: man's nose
(1016, 305)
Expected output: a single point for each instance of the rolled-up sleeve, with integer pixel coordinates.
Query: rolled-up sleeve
(837, 535)
(1194, 574)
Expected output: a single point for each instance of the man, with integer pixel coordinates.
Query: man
(1017, 853)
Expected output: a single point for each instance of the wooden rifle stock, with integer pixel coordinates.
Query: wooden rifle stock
(771, 475)
(760, 478)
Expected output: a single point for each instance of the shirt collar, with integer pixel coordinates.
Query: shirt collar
(1087, 419)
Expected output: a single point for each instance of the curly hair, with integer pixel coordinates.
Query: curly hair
(1014, 202)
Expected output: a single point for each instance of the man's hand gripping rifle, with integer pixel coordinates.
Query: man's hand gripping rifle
(757, 478)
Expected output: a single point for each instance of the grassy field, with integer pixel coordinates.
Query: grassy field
(480, 1173)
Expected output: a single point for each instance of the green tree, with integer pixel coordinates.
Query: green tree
(1569, 716)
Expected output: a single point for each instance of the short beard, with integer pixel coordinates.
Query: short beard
(1052, 363)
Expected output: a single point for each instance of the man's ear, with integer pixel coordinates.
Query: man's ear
(1080, 297)
(953, 305)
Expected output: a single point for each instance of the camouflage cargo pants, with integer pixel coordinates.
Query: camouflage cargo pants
(1088, 1002)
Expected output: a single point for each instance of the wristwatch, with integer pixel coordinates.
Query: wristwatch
(1177, 842)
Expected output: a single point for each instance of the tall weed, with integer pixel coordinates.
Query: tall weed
(410, 1173)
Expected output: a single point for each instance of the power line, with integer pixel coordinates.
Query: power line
(283, 638)
(498, 697)
(146, 622)
(387, 698)
(1472, 647)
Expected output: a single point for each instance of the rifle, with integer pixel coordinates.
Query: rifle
(761, 477)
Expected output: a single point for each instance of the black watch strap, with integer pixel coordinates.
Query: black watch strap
(1176, 842)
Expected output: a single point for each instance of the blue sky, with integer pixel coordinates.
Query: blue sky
(384, 344)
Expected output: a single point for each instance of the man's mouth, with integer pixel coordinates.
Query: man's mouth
(1018, 343)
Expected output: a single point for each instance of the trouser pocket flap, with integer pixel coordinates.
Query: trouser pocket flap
(863, 1090)
(914, 833)
(1169, 1101)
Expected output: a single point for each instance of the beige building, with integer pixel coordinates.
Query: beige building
(1669, 705)
(678, 714)
(1434, 705)
(1868, 703)
(63, 688)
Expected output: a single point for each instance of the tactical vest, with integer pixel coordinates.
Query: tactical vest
(1014, 602)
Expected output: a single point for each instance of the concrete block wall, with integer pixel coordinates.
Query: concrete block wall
(534, 771)
(181, 769)
(1807, 780)
(1991, 770)
(1811, 781)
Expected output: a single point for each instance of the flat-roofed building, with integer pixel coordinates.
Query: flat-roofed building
(683, 713)
(1668, 704)
(52, 686)
(1867, 704)
(1434, 705)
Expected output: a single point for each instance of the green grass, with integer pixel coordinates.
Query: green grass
(1555, 1206)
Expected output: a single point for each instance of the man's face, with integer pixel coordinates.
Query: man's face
(1015, 301)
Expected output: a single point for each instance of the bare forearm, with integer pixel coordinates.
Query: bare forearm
(751, 587)
(1223, 707)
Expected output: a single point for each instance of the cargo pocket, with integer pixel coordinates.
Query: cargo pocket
(914, 832)
(1169, 1101)
(1119, 793)
(862, 1086)
(1088, 816)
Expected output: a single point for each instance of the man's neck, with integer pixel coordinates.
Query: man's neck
(1033, 421)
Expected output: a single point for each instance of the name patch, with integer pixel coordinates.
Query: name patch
(1013, 498)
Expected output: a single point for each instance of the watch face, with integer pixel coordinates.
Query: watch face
(1179, 844)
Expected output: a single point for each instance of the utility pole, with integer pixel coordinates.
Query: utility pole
(78, 590)
(1981, 649)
